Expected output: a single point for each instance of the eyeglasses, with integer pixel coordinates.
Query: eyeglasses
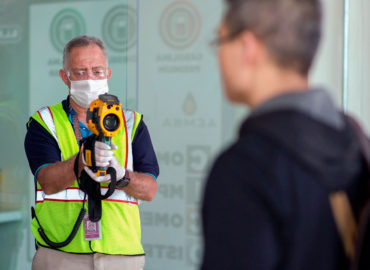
(217, 42)
(83, 74)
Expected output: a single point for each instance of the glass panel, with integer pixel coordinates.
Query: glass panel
(32, 36)
(181, 98)
(190, 122)
(328, 68)
(163, 67)
(358, 61)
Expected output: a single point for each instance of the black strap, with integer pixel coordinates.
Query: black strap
(77, 223)
(77, 160)
(95, 197)
(362, 138)
(76, 164)
(362, 248)
(71, 235)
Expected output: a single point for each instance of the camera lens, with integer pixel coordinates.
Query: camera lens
(111, 122)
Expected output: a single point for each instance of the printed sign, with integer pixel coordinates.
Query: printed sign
(10, 34)
(180, 24)
(119, 28)
(67, 24)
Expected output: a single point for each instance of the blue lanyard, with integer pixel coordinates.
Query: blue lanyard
(76, 124)
(77, 128)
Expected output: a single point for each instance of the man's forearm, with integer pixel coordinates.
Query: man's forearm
(142, 186)
(58, 176)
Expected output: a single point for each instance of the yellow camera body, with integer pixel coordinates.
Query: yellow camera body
(104, 118)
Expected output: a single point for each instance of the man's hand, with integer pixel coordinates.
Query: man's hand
(103, 154)
(142, 186)
(104, 158)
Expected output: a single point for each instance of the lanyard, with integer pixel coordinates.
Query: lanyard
(77, 128)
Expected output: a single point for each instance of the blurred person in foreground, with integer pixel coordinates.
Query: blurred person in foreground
(52, 143)
(266, 203)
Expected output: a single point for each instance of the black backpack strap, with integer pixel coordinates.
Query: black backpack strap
(345, 221)
(361, 259)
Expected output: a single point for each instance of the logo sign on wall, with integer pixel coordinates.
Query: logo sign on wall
(67, 24)
(10, 34)
(119, 28)
(180, 25)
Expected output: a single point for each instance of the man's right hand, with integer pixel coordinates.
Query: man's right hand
(103, 157)
(103, 154)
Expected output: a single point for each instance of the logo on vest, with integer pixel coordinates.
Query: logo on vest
(66, 24)
(119, 28)
(180, 25)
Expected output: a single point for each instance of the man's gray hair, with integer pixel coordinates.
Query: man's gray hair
(290, 29)
(82, 41)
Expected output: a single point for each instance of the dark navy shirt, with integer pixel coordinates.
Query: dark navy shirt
(42, 149)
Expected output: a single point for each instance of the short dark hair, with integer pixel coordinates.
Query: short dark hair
(290, 29)
(82, 41)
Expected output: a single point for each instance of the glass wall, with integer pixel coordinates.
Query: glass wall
(164, 67)
(357, 64)
(32, 36)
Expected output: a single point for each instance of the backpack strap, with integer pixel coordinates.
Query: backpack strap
(352, 233)
(345, 221)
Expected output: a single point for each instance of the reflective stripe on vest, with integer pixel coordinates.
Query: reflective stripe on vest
(130, 119)
(47, 116)
(77, 195)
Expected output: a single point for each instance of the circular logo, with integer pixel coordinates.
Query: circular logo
(67, 24)
(119, 28)
(180, 25)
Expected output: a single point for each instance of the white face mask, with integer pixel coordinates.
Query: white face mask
(86, 91)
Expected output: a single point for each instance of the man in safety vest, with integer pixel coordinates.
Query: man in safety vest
(51, 145)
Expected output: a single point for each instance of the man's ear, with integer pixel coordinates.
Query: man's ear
(109, 73)
(63, 75)
(252, 47)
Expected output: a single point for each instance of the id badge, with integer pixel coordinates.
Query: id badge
(92, 229)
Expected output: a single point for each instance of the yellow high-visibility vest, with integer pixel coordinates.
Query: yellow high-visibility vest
(57, 213)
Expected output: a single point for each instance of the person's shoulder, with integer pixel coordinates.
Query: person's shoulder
(251, 157)
(248, 167)
(252, 146)
(132, 116)
(239, 155)
(130, 111)
(64, 103)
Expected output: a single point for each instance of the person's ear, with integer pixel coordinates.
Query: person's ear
(251, 47)
(109, 73)
(63, 75)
